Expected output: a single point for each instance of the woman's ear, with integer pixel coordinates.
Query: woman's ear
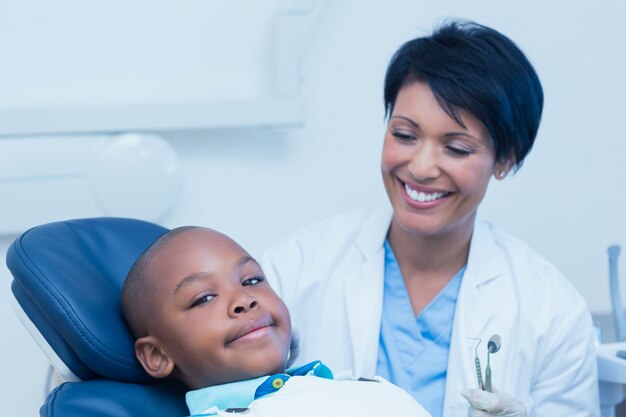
(502, 168)
(153, 358)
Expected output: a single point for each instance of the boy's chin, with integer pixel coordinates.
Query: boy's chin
(268, 365)
(270, 369)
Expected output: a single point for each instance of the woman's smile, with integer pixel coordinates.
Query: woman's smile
(423, 197)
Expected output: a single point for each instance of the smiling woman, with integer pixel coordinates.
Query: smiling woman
(435, 170)
(404, 294)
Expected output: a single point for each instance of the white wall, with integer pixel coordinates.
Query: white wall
(256, 185)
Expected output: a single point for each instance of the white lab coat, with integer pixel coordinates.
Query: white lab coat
(331, 277)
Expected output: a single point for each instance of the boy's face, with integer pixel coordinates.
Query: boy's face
(216, 317)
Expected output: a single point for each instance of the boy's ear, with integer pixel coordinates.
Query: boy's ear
(154, 360)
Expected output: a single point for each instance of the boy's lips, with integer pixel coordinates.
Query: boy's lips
(258, 324)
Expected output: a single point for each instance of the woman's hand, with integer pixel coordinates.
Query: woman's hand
(484, 404)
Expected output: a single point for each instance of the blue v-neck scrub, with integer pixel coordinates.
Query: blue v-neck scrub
(413, 352)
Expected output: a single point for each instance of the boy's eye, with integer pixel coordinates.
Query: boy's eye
(253, 281)
(202, 300)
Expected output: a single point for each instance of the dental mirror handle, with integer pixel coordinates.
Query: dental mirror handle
(488, 376)
(494, 345)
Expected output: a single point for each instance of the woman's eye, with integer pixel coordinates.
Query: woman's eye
(202, 300)
(459, 151)
(403, 136)
(253, 281)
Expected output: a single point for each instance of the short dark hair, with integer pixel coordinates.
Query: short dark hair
(475, 68)
(135, 302)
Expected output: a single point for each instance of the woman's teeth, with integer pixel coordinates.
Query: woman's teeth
(420, 196)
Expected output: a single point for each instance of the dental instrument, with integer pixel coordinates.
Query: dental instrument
(494, 344)
(479, 373)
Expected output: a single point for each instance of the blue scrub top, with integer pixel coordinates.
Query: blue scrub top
(413, 352)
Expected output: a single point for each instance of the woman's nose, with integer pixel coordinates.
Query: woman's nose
(424, 164)
(243, 303)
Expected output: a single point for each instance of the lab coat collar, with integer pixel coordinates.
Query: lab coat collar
(363, 294)
(484, 267)
(472, 316)
(483, 264)
(482, 260)
(363, 300)
(371, 239)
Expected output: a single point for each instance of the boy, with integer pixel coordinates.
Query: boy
(202, 312)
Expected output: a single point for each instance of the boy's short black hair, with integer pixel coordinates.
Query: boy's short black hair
(135, 300)
(475, 68)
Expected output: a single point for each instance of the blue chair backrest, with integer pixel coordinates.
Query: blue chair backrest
(68, 278)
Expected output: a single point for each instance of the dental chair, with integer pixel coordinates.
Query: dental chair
(67, 281)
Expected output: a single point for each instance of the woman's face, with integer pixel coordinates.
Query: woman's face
(435, 171)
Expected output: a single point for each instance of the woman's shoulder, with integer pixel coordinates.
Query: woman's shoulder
(527, 267)
(510, 243)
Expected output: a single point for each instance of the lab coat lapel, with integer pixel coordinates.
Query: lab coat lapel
(363, 294)
(472, 316)
(483, 267)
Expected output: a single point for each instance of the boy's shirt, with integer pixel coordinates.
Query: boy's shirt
(238, 395)
(307, 390)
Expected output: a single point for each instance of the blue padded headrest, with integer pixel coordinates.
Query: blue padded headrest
(103, 398)
(68, 278)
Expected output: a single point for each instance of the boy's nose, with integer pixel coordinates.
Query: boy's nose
(243, 304)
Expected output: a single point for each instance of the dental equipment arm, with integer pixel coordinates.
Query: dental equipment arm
(616, 300)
